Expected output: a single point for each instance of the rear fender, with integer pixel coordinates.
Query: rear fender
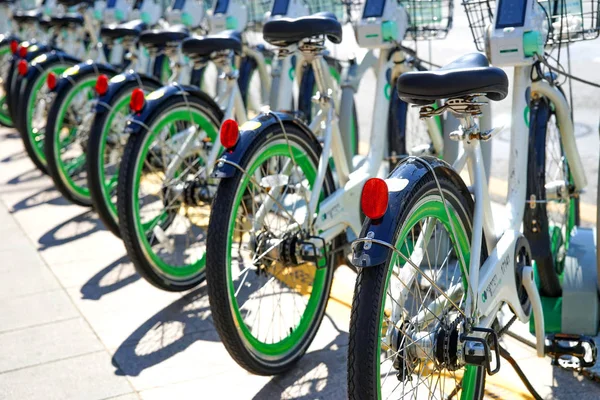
(117, 82)
(410, 172)
(156, 99)
(249, 131)
(76, 72)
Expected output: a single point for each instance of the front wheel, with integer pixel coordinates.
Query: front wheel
(403, 333)
(266, 303)
(164, 192)
(552, 210)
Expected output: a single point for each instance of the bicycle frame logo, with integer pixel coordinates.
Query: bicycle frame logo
(495, 282)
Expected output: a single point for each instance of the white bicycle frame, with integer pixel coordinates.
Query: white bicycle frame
(496, 277)
(339, 211)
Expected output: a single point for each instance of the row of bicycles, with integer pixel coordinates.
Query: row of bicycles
(221, 142)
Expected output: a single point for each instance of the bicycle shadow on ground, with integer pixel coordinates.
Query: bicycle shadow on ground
(118, 276)
(168, 333)
(45, 196)
(319, 374)
(31, 175)
(73, 229)
(10, 135)
(19, 155)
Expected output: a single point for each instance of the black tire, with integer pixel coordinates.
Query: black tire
(95, 162)
(126, 197)
(5, 69)
(52, 158)
(222, 305)
(543, 137)
(365, 324)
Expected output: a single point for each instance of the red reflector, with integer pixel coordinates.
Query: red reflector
(22, 67)
(374, 198)
(22, 51)
(230, 133)
(51, 80)
(102, 85)
(137, 100)
(14, 46)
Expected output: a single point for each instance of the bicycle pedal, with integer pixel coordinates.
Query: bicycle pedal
(571, 351)
(477, 350)
(311, 252)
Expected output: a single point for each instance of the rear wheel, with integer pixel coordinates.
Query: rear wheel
(403, 330)
(35, 101)
(5, 56)
(105, 150)
(267, 307)
(163, 208)
(552, 211)
(66, 143)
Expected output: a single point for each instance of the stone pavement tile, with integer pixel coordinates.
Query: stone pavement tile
(44, 343)
(21, 255)
(230, 385)
(96, 278)
(130, 396)
(84, 232)
(319, 374)
(35, 309)
(130, 313)
(19, 242)
(170, 355)
(24, 277)
(86, 377)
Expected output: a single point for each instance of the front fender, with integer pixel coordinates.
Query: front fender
(407, 177)
(68, 78)
(156, 99)
(249, 131)
(119, 81)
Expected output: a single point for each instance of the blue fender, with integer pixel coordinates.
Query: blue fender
(43, 61)
(117, 82)
(82, 69)
(384, 228)
(259, 124)
(156, 99)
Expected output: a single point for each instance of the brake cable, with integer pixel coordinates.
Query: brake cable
(568, 75)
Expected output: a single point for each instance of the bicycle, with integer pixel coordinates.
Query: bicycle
(163, 187)
(70, 117)
(30, 92)
(107, 137)
(282, 220)
(433, 269)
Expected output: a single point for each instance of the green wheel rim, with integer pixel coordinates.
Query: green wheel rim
(66, 169)
(436, 210)
(282, 347)
(37, 138)
(4, 117)
(108, 186)
(180, 272)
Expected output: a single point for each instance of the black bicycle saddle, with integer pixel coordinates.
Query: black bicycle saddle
(469, 74)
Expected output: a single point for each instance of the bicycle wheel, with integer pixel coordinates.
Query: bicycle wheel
(552, 211)
(5, 57)
(162, 218)
(403, 332)
(66, 142)
(35, 100)
(105, 150)
(267, 308)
